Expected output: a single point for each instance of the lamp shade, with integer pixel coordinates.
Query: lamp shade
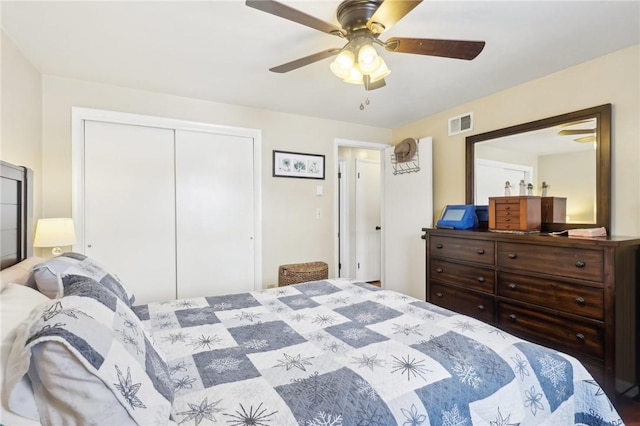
(54, 232)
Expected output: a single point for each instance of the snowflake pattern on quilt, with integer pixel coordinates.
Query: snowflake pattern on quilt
(340, 353)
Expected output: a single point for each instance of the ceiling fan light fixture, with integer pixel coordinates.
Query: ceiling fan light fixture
(354, 77)
(380, 72)
(368, 59)
(343, 64)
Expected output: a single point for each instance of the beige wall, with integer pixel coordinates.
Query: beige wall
(21, 124)
(36, 126)
(613, 78)
(291, 232)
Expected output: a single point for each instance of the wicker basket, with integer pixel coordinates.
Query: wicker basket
(302, 272)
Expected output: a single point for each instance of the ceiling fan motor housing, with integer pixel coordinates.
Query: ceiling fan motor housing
(353, 15)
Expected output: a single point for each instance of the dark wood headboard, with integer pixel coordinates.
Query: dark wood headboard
(16, 214)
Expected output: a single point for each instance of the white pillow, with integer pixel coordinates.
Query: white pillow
(19, 272)
(16, 302)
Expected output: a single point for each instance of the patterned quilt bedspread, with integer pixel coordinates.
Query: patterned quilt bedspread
(342, 353)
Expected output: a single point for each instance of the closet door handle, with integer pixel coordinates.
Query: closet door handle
(580, 264)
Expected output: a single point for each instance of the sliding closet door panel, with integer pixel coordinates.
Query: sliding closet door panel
(130, 206)
(214, 214)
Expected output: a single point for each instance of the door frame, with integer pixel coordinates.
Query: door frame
(80, 115)
(343, 218)
(336, 214)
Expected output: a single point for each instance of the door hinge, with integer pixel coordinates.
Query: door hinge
(358, 265)
(339, 175)
(358, 175)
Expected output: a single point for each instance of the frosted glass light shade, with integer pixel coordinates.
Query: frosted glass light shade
(380, 72)
(342, 64)
(354, 77)
(56, 233)
(368, 59)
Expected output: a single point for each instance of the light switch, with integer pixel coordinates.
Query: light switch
(319, 190)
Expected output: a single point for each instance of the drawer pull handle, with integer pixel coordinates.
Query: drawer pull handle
(580, 337)
(439, 294)
(580, 301)
(439, 270)
(512, 255)
(439, 246)
(512, 286)
(580, 264)
(481, 307)
(480, 279)
(513, 317)
(480, 251)
(507, 219)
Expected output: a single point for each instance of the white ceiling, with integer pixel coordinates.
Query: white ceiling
(222, 50)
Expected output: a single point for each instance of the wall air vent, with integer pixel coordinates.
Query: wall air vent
(461, 123)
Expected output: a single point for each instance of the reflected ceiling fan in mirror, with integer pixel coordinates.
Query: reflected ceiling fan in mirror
(571, 132)
(361, 24)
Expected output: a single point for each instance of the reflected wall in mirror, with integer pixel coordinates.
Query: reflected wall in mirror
(566, 157)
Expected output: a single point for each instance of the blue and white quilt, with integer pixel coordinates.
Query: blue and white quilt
(342, 353)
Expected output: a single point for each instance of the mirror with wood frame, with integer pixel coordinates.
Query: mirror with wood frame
(566, 159)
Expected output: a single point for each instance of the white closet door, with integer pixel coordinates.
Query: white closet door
(129, 206)
(214, 214)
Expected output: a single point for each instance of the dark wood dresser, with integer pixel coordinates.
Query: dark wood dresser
(576, 295)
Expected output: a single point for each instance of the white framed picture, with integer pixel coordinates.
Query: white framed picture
(298, 165)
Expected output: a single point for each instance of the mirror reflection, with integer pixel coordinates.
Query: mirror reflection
(558, 161)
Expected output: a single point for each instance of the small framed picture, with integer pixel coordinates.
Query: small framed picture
(298, 165)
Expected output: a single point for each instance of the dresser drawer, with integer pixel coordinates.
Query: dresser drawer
(567, 297)
(478, 251)
(472, 277)
(476, 305)
(566, 334)
(563, 261)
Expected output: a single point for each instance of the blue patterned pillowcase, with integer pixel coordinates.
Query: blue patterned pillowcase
(47, 276)
(113, 352)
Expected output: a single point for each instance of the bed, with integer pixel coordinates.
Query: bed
(77, 349)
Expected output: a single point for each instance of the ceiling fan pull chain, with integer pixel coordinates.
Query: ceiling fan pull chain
(366, 102)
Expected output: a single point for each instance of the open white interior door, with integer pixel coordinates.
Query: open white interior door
(367, 220)
(408, 207)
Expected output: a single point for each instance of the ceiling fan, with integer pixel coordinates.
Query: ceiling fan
(362, 22)
(572, 132)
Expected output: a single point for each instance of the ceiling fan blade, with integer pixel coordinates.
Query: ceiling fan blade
(298, 63)
(457, 49)
(574, 123)
(576, 132)
(389, 13)
(286, 12)
(586, 139)
(368, 86)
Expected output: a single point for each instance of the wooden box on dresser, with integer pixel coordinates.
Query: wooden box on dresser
(577, 295)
